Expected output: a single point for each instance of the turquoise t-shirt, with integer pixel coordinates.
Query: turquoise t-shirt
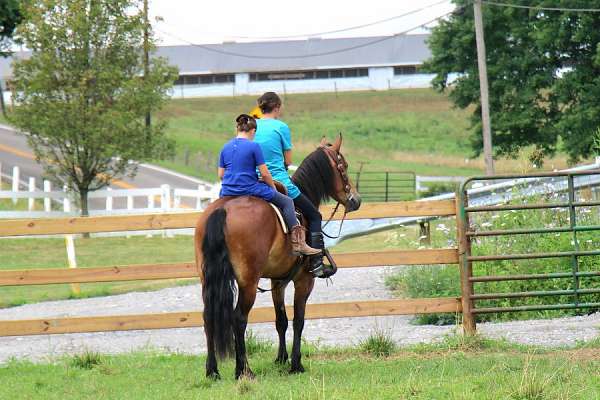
(274, 138)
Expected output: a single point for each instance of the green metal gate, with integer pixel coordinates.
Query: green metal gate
(571, 197)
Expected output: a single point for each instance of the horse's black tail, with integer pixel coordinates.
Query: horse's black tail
(219, 289)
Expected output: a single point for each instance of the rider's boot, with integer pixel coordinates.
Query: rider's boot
(316, 266)
(299, 245)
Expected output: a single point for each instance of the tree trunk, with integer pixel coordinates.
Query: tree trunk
(2, 105)
(83, 201)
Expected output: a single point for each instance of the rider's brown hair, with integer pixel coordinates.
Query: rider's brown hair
(245, 123)
(268, 102)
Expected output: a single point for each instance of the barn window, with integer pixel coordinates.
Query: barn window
(405, 70)
(309, 74)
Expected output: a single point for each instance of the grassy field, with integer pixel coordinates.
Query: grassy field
(93, 252)
(412, 129)
(453, 369)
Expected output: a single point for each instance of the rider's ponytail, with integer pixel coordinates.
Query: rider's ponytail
(245, 123)
(268, 102)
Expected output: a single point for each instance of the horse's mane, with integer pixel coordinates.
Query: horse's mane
(314, 177)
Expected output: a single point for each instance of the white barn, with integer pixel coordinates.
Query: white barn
(294, 66)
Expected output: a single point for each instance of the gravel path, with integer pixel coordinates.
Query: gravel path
(350, 284)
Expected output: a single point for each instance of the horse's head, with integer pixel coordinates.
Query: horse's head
(323, 174)
(342, 190)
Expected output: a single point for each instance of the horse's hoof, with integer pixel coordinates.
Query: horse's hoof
(214, 375)
(298, 369)
(281, 360)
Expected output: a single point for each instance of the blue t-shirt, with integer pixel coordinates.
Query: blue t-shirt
(240, 157)
(274, 138)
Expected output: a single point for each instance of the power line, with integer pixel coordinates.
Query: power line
(326, 53)
(541, 8)
(351, 28)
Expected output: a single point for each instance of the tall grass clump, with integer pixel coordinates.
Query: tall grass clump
(87, 360)
(443, 281)
(378, 344)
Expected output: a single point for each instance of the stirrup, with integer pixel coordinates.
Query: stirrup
(323, 270)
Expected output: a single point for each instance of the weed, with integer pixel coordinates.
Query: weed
(245, 386)
(256, 344)
(379, 344)
(86, 360)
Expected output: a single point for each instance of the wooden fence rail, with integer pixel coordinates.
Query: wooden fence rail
(194, 319)
(48, 226)
(56, 226)
(188, 270)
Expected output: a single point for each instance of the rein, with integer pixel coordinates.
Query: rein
(346, 182)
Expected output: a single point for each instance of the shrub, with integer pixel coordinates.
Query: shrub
(433, 189)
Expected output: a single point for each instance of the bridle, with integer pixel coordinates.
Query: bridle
(337, 160)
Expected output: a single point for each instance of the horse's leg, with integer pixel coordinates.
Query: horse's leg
(281, 321)
(246, 297)
(302, 289)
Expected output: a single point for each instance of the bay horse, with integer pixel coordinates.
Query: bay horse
(238, 240)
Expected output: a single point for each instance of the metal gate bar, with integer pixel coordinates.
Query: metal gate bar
(467, 232)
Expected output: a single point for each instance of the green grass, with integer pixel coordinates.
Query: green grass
(454, 369)
(94, 252)
(411, 129)
(399, 130)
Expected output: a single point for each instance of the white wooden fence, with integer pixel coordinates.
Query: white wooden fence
(58, 203)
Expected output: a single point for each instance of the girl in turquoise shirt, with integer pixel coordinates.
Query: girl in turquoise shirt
(275, 141)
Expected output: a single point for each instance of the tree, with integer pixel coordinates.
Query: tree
(82, 96)
(544, 74)
(10, 16)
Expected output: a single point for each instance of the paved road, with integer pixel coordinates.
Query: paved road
(14, 151)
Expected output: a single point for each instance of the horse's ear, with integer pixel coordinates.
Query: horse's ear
(323, 141)
(338, 142)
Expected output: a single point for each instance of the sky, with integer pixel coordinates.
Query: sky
(203, 22)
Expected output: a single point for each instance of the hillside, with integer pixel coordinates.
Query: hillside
(399, 130)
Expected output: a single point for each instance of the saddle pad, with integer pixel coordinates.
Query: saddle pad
(280, 218)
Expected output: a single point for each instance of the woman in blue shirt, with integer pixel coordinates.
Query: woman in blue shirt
(275, 140)
(238, 162)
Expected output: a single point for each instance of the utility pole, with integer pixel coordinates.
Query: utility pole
(483, 87)
(146, 56)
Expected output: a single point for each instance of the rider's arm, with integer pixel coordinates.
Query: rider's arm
(287, 158)
(286, 139)
(266, 175)
(221, 172)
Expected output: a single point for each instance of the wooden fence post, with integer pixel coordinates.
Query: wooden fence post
(464, 265)
(31, 188)
(15, 182)
(66, 201)
(165, 204)
(109, 200)
(75, 288)
(129, 209)
(151, 207)
(47, 200)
